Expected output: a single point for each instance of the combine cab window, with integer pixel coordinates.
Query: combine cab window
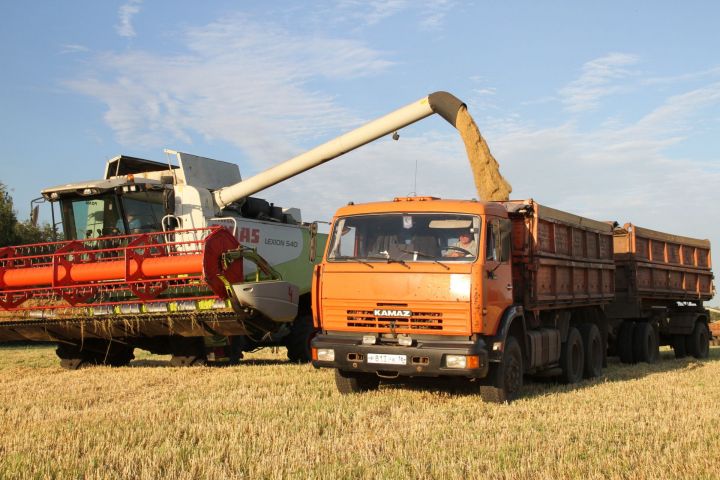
(417, 237)
(144, 211)
(90, 217)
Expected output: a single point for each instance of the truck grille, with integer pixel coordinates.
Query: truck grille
(417, 321)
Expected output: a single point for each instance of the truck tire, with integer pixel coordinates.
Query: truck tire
(592, 340)
(572, 357)
(298, 340)
(352, 382)
(679, 346)
(645, 343)
(506, 378)
(698, 342)
(625, 342)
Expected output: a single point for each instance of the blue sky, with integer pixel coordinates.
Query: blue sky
(607, 109)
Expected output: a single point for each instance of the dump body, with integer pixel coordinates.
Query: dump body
(654, 267)
(559, 259)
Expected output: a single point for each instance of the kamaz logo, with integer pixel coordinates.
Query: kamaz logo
(392, 313)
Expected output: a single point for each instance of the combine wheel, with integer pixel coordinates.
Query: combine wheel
(698, 342)
(592, 340)
(679, 346)
(351, 382)
(298, 340)
(572, 357)
(625, 342)
(506, 378)
(645, 343)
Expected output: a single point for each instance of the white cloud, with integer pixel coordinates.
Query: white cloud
(431, 13)
(73, 48)
(600, 77)
(126, 12)
(240, 82)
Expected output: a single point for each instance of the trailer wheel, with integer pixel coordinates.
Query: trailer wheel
(698, 342)
(506, 378)
(679, 346)
(625, 342)
(592, 340)
(298, 340)
(351, 382)
(572, 357)
(645, 343)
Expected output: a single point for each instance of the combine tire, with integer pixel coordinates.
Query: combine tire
(698, 342)
(298, 340)
(645, 343)
(625, 342)
(351, 382)
(679, 346)
(572, 357)
(592, 340)
(505, 378)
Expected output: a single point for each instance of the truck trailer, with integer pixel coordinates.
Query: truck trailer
(399, 293)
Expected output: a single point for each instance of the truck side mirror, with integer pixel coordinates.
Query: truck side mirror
(313, 240)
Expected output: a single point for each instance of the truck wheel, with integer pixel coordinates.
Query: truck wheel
(298, 340)
(645, 343)
(698, 342)
(679, 346)
(506, 378)
(572, 357)
(625, 342)
(351, 382)
(592, 340)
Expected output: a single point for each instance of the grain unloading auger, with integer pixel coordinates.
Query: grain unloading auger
(172, 259)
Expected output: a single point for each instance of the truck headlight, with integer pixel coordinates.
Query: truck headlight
(455, 361)
(462, 361)
(326, 354)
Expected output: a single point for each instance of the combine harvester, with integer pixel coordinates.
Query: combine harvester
(177, 259)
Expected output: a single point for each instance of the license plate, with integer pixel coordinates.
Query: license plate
(387, 359)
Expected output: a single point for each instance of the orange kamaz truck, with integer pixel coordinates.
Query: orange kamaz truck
(490, 291)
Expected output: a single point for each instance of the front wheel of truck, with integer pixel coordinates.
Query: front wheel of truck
(351, 382)
(506, 378)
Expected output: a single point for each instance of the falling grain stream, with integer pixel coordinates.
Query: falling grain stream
(490, 184)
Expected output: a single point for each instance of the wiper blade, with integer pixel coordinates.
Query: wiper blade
(389, 259)
(435, 260)
(353, 259)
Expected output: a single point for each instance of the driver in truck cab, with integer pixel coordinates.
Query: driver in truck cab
(466, 242)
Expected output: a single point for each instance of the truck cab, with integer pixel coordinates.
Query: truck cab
(401, 293)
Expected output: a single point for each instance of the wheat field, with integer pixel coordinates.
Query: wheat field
(270, 419)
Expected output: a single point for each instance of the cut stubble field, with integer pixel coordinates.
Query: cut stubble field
(270, 419)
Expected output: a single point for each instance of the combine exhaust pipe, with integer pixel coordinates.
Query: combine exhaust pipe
(443, 103)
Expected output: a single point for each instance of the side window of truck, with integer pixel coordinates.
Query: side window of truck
(498, 239)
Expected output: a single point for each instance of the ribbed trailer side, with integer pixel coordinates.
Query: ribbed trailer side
(654, 266)
(560, 260)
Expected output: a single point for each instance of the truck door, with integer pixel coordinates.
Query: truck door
(497, 279)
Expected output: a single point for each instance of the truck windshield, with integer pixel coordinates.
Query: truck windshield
(416, 237)
(91, 217)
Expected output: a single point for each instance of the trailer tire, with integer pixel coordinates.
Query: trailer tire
(625, 342)
(298, 340)
(351, 382)
(698, 342)
(592, 341)
(506, 378)
(646, 347)
(572, 357)
(679, 346)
